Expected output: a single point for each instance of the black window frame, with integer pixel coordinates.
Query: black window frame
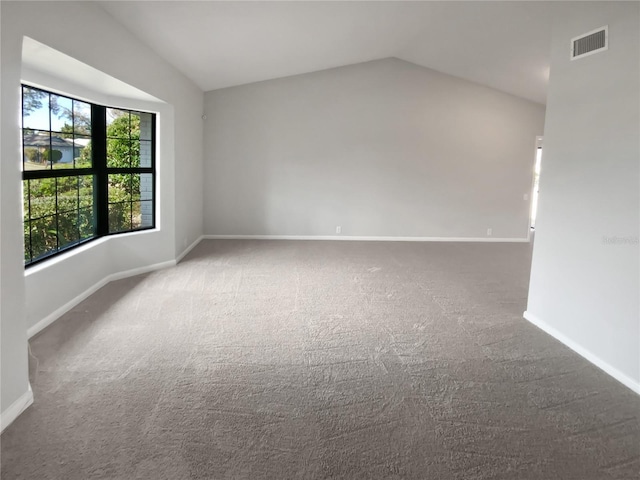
(99, 171)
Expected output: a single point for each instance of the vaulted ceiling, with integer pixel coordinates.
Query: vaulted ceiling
(504, 45)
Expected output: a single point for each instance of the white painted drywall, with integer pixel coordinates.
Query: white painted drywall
(14, 378)
(384, 148)
(584, 278)
(101, 42)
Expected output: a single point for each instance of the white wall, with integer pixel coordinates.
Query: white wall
(383, 148)
(86, 32)
(584, 282)
(14, 380)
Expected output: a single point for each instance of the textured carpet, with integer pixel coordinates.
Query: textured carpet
(313, 360)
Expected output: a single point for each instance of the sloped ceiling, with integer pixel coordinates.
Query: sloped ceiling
(504, 45)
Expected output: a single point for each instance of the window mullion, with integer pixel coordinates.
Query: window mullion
(99, 151)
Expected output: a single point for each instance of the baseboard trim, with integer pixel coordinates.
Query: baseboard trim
(580, 350)
(364, 238)
(8, 416)
(188, 249)
(57, 313)
(140, 270)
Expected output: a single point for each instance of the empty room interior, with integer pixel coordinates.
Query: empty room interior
(313, 240)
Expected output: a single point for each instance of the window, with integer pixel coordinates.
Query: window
(88, 171)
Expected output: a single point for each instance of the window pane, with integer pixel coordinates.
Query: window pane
(36, 146)
(43, 236)
(134, 126)
(135, 139)
(67, 228)
(86, 223)
(120, 202)
(120, 187)
(35, 109)
(86, 191)
(146, 126)
(81, 118)
(43, 197)
(118, 153)
(135, 187)
(146, 214)
(82, 151)
(61, 153)
(25, 199)
(117, 123)
(142, 197)
(119, 217)
(142, 186)
(136, 217)
(86, 220)
(145, 153)
(135, 153)
(25, 219)
(61, 114)
(31, 161)
(67, 194)
(27, 242)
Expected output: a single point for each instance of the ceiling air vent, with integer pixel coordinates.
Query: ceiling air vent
(592, 42)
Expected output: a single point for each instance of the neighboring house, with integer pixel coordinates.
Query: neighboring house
(40, 143)
(79, 144)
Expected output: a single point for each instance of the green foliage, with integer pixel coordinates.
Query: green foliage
(119, 209)
(32, 154)
(42, 155)
(123, 146)
(85, 157)
(125, 127)
(53, 156)
(54, 225)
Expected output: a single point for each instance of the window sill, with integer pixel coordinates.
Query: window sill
(62, 257)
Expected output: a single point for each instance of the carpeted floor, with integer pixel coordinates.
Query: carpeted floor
(314, 360)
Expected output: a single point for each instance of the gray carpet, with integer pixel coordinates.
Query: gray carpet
(314, 360)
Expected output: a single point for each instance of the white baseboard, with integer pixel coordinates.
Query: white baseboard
(363, 238)
(57, 313)
(140, 270)
(580, 350)
(53, 316)
(189, 248)
(15, 409)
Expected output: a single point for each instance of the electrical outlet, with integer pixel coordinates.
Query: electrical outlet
(489, 232)
(338, 229)
(525, 197)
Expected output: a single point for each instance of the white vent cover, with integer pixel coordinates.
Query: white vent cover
(589, 43)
